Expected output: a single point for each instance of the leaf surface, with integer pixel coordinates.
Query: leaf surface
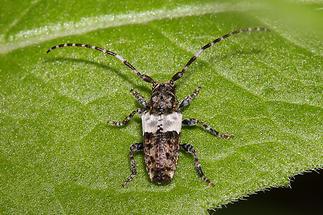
(58, 155)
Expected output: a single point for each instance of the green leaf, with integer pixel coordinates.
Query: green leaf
(58, 155)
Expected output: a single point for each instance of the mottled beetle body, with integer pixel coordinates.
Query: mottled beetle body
(162, 119)
(161, 125)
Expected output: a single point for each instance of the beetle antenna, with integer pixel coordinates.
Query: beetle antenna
(144, 77)
(178, 75)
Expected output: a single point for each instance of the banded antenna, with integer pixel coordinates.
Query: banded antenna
(210, 44)
(144, 77)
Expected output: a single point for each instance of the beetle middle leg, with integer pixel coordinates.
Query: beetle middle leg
(206, 127)
(133, 148)
(190, 149)
(127, 119)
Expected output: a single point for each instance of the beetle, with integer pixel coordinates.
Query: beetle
(162, 119)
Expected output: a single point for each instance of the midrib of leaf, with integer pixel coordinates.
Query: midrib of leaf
(19, 17)
(87, 24)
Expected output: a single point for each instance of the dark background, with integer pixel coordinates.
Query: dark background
(305, 197)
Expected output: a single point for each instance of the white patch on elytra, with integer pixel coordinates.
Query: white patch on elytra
(168, 122)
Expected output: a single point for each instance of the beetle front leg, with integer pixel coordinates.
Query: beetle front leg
(188, 99)
(127, 119)
(206, 127)
(190, 149)
(133, 148)
(141, 100)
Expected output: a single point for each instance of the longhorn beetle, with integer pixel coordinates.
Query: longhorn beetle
(162, 119)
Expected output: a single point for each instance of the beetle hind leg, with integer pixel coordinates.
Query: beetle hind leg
(190, 149)
(133, 148)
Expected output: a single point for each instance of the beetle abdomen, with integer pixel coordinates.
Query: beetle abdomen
(161, 154)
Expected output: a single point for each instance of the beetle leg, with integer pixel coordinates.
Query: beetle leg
(190, 149)
(206, 127)
(127, 119)
(139, 98)
(133, 148)
(188, 99)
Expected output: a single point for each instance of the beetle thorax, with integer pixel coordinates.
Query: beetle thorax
(163, 99)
